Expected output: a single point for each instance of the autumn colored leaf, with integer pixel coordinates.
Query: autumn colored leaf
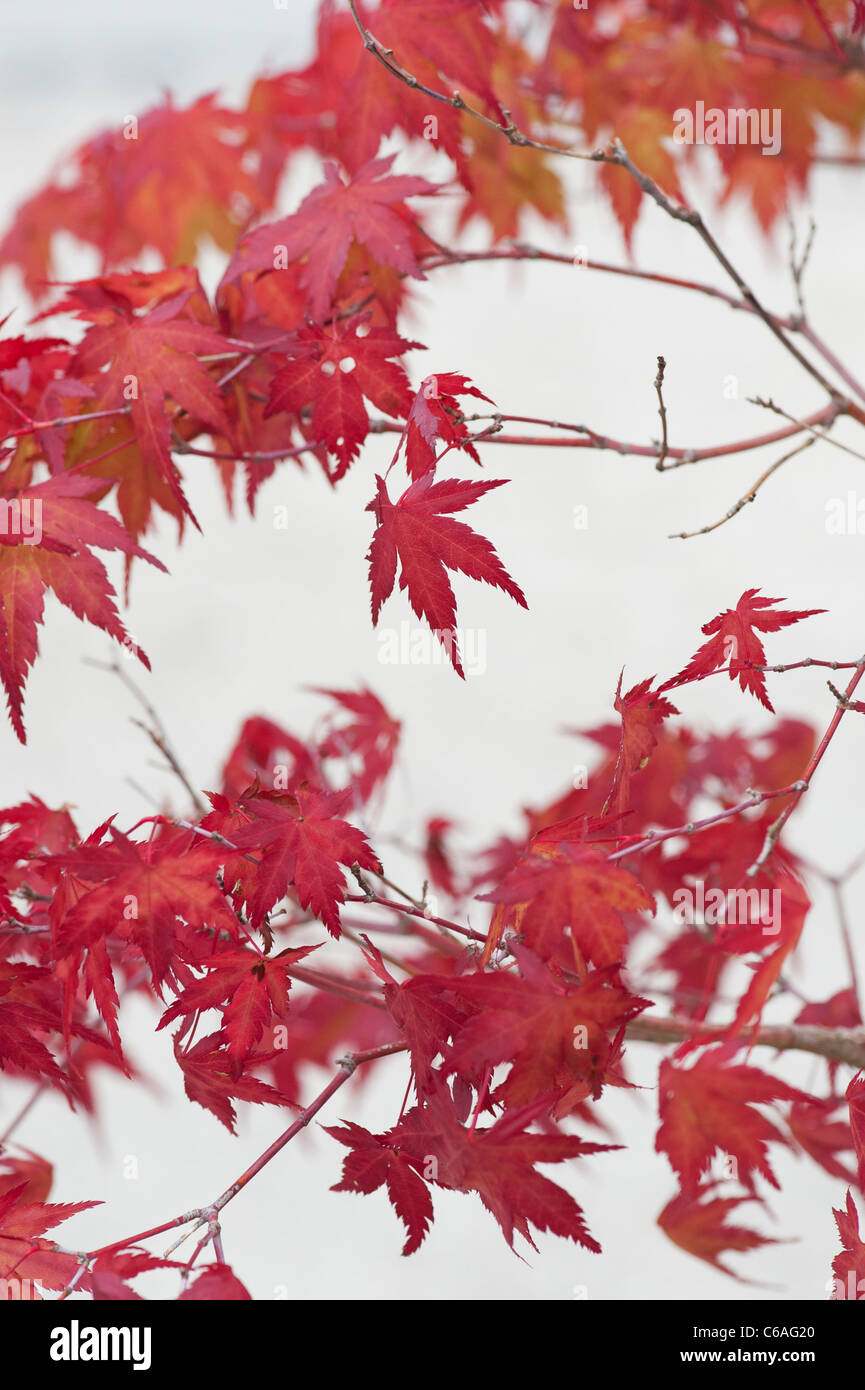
(499, 1164)
(216, 1282)
(45, 544)
(708, 1108)
(214, 1079)
(434, 415)
(250, 989)
(142, 361)
(417, 531)
(142, 892)
(849, 1265)
(369, 734)
(700, 1227)
(23, 1252)
(332, 372)
(304, 842)
(733, 639)
(642, 711)
(855, 1096)
(823, 1138)
(569, 901)
(374, 1163)
(561, 1039)
(368, 209)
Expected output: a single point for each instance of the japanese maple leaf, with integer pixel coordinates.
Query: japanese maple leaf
(251, 990)
(643, 711)
(556, 1036)
(261, 747)
(166, 180)
(23, 1252)
(303, 842)
(145, 360)
(433, 416)
(374, 1163)
(849, 1265)
(644, 130)
(733, 638)
(213, 1079)
(698, 1227)
(26, 1011)
(332, 371)
(709, 1108)
(110, 1272)
(143, 889)
(53, 552)
(369, 734)
(444, 44)
(216, 1283)
(499, 1164)
(36, 1173)
(573, 891)
(417, 531)
(821, 1137)
(368, 210)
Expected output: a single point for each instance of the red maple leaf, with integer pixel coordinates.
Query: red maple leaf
(557, 1036)
(368, 210)
(304, 844)
(144, 359)
(142, 892)
(250, 988)
(499, 1164)
(373, 1163)
(709, 1108)
(643, 711)
(331, 370)
(849, 1265)
(855, 1096)
(814, 1130)
(213, 1078)
(435, 415)
(417, 531)
(45, 535)
(370, 734)
(698, 1227)
(216, 1283)
(733, 638)
(572, 891)
(23, 1252)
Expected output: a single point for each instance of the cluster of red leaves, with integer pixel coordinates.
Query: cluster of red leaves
(302, 335)
(528, 1032)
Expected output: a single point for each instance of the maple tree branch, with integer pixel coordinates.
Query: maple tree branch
(662, 411)
(817, 434)
(675, 457)
(749, 496)
(155, 730)
(694, 219)
(754, 798)
(845, 1045)
(209, 1214)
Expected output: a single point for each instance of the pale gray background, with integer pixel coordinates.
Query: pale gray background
(250, 614)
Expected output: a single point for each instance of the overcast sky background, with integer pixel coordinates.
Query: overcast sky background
(251, 614)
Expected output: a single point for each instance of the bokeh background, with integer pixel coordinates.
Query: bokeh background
(252, 614)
